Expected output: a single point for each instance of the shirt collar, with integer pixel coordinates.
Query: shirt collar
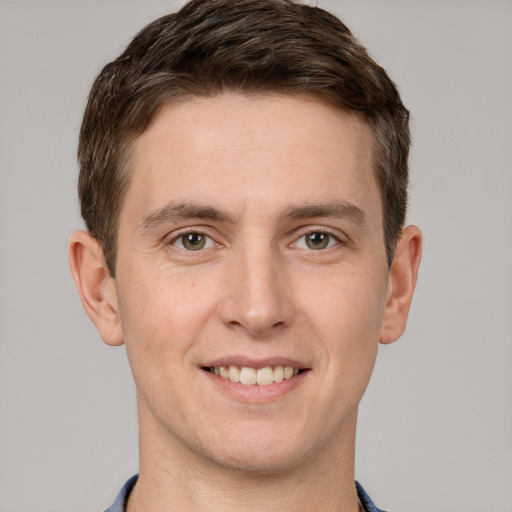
(121, 500)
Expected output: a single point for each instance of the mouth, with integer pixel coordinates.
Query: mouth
(250, 376)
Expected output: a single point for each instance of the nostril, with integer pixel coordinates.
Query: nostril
(256, 302)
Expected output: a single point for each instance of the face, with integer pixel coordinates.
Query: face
(250, 249)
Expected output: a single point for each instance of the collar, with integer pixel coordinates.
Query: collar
(121, 500)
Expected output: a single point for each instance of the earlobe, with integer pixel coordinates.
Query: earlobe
(402, 281)
(97, 289)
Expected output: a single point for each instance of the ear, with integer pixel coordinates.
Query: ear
(402, 280)
(97, 289)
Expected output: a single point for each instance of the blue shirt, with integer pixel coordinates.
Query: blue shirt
(121, 500)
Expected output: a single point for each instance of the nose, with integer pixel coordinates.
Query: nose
(256, 298)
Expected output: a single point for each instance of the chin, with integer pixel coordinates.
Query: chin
(258, 464)
(259, 454)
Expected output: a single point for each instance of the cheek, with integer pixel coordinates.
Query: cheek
(346, 311)
(161, 318)
(348, 304)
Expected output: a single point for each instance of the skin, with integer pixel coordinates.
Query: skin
(254, 176)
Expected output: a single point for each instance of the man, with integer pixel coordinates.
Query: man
(243, 179)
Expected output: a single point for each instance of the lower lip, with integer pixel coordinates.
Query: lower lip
(254, 393)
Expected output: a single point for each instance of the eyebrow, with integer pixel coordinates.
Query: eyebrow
(178, 211)
(173, 212)
(336, 209)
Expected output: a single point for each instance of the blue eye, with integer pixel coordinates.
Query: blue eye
(193, 241)
(316, 240)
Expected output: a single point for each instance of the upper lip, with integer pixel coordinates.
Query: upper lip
(250, 362)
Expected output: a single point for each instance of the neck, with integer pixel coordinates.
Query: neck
(173, 478)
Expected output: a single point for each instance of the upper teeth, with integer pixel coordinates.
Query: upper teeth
(260, 376)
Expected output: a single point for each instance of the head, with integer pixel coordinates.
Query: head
(243, 179)
(254, 47)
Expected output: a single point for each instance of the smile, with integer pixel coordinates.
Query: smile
(251, 376)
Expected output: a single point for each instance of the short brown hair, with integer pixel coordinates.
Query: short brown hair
(250, 46)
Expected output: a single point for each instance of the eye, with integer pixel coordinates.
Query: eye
(316, 240)
(193, 241)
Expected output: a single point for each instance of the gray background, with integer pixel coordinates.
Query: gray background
(435, 426)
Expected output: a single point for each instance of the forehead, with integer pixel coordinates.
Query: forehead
(241, 151)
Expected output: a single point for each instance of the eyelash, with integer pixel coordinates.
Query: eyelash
(180, 236)
(209, 242)
(331, 237)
